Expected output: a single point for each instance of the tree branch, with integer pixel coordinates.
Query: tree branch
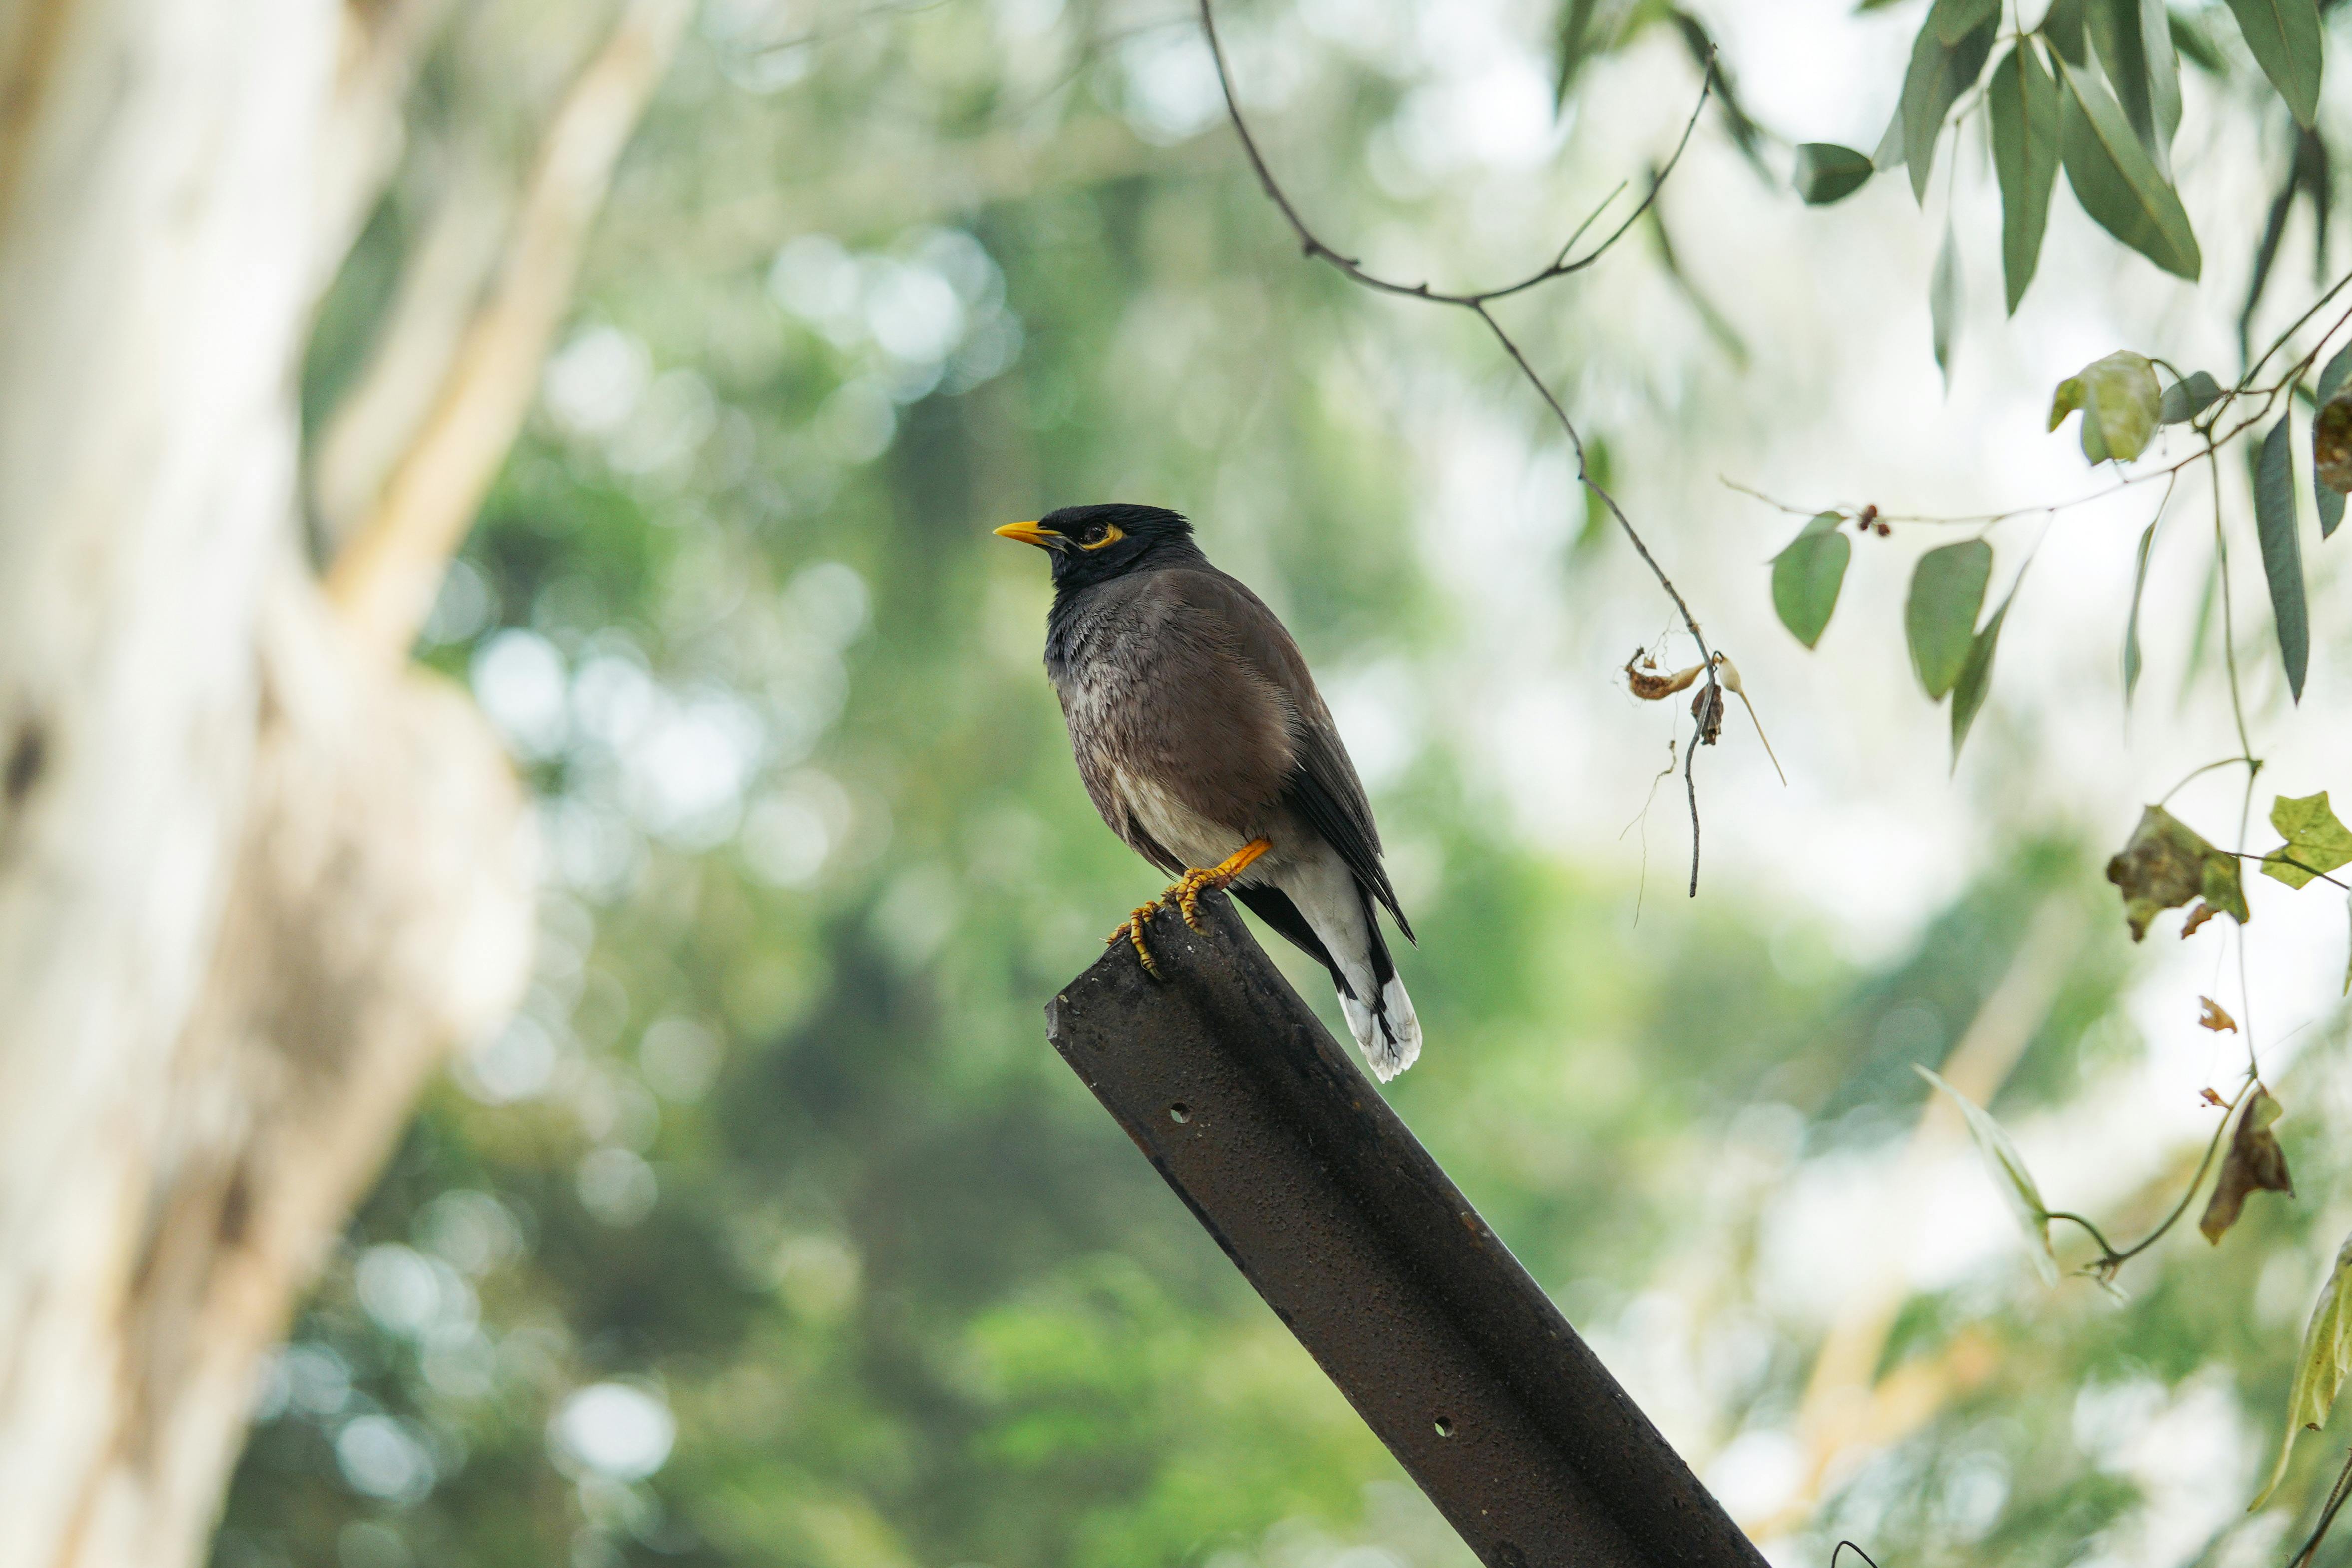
(383, 583)
(1476, 301)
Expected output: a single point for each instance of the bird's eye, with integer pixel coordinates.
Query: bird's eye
(1100, 534)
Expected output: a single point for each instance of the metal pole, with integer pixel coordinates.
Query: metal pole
(1291, 1159)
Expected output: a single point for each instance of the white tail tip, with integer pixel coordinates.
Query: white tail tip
(1390, 1039)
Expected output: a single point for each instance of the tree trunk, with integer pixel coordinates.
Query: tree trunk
(255, 877)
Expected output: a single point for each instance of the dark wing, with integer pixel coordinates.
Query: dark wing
(1273, 905)
(1322, 787)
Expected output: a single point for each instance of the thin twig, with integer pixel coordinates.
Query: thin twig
(2336, 1495)
(2206, 425)
(1476, 301)
(2288, 861)
(2110, 1259)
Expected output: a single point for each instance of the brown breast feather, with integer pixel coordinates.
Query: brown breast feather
(1174, 686)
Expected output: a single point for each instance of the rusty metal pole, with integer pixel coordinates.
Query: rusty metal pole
(1290, 1158)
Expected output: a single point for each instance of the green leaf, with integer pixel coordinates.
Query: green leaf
(2114, 181)
(1888, 155)
(1827, 173)
(2331, 444)
(2131, 626)
(2165, 864)
(1577, 44)
(2281, 550)
(2009, 1176)
(1939, 619)
(2319, 1366)
(2316, 840)
(1976, 675)
(2196, 46)
(2027, 116)
(2134, 43)
(2284, 38)
(1944, 303)
(2185, 400)
(2063, 25)
(1939, 73)
(2331, 379)
(2120, 401)
(1807, 575)
(1956, 19)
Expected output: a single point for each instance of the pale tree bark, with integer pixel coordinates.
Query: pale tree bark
(255, 875)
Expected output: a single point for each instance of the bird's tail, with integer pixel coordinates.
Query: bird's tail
(1386, 1029)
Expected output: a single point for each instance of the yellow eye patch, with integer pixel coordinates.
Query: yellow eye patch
(1112, 534)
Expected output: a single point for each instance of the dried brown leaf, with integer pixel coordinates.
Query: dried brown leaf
(1657, 688)
(2212, 1015)
(1706, 707)
(2255, 1162)
(2331, 443)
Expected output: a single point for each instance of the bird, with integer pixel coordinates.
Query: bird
(1203, 741)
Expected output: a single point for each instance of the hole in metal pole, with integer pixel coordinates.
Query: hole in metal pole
(1180, 1113)
(1446, 1426)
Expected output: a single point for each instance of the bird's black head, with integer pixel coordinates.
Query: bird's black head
(1094, 544)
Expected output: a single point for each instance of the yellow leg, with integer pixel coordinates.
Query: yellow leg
(1188, 888)
(1185, 893)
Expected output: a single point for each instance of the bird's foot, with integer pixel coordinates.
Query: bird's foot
(1185, 893)
(1132, 929)
(1187, 889)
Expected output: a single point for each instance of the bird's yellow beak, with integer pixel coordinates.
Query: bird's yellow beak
(1028, 534)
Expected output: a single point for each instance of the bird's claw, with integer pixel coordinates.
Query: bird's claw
(1185, 893)
(1132, 929)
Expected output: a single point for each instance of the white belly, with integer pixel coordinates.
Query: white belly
(1172, 825)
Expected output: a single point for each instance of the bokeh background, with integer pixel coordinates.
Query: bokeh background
(772, 1232)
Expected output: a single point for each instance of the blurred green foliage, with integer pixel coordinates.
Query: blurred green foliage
(772, 1232)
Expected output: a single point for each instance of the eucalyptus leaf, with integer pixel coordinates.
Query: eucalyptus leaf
(2185, 400)
(2064, 24)
(1826, 173)
(1976, 675)
(2332, 376)
(2009, 1176)
(2115, 179)
(2319, 1366)
(2328, 499)
(2027, 115)
(1888, 155)
(2196, 46)
(2283, 550)
(1807, 575)
(1938, 74)
(2131, 625)
(1939, 618)
(2132, 41)
(2120, 401)
(1577, 44)
(2284, 38)
(1944, 303)
(1956, 19)
(2316, 842)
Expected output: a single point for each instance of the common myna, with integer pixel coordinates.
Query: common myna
(1206, 745)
